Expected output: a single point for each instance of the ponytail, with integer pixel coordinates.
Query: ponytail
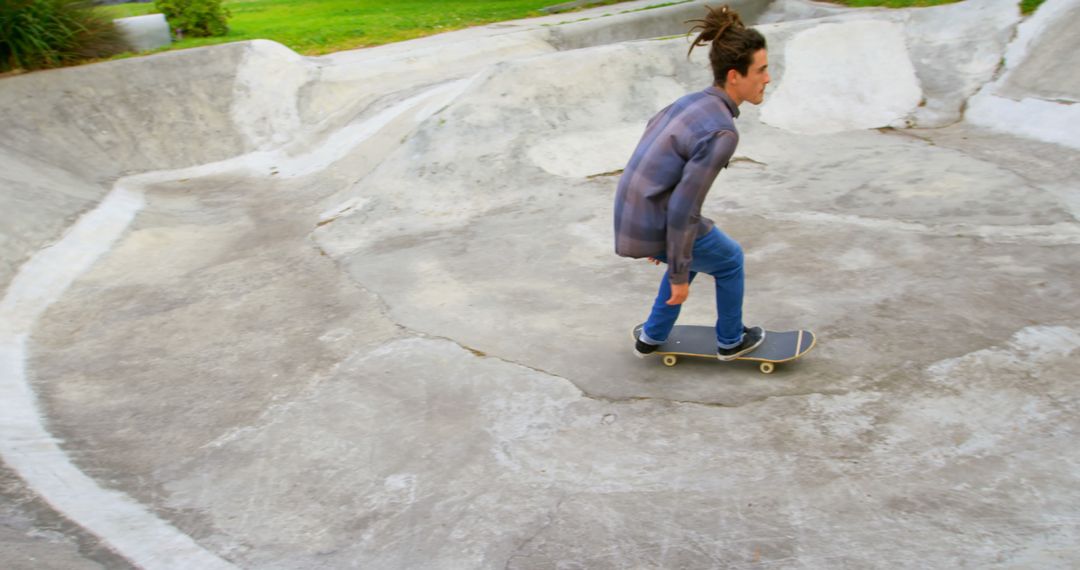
(733, 44)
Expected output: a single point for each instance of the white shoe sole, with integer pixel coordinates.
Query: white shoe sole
(730, 357)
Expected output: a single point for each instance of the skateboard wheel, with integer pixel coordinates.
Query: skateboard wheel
(670, 360)
(767, 367)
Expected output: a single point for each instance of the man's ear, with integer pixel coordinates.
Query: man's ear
(731, 75)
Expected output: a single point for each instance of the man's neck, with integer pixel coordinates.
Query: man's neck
(734, 98)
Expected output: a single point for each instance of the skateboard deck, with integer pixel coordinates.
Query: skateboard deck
(700, 341)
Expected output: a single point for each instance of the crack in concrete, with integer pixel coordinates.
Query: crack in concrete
(603, 174)
(584, 393)
(385, 311)
(606, 399)
(739, 159)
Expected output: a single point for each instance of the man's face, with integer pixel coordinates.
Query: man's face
(751, 87)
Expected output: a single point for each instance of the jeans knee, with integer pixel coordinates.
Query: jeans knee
(732, 266)
(737, 254)
(719, 255)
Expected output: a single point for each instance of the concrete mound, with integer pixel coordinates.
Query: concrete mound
(268, 311)
(1036, 93)
(881, 68)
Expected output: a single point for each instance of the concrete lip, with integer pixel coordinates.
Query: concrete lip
(362, 310)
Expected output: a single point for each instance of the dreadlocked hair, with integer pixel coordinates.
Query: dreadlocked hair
(733, 44)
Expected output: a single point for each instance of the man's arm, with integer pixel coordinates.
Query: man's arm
(709, 155)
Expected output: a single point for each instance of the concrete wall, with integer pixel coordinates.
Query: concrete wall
(68, 133)
(648, 23)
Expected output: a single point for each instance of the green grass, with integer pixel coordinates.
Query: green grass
(1029, 6)
(1026, 6)
(892, 3)
(315, 27)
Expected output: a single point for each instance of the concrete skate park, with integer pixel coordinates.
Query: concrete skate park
(363, 310)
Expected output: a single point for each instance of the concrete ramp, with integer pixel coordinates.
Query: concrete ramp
(362, 310)
(1042, 68)
(841, 69)
(70, 133)
(844, 76)
(1037, 91)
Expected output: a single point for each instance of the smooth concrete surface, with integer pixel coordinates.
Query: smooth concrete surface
(362, 310)
(1036, 92)
(879, 86)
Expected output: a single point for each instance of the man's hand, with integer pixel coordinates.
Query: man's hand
(679, 293)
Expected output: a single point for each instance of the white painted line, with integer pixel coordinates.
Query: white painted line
(27, 447)
(49, 273)
(126, 526)
(339, 144)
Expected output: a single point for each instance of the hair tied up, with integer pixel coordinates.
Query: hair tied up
(713, 27)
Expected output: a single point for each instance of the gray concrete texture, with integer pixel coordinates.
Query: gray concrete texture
(362, 310)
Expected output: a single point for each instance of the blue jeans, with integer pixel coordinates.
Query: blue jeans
(718, 255)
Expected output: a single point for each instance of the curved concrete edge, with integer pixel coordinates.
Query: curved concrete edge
(266, 92)
(1030, 118)
(250, 96)
(956, 49)
(249, 99)
(24, 435)
(1015, 110)
(465, 52)
(124, 525)
(26, 446)
(945, 54)
(70, 133)
(1031, 29)
(790, 10)
(633, 22)
(844, 76)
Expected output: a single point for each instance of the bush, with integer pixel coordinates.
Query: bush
(1029, 6)
(195, 18)
(38, 34)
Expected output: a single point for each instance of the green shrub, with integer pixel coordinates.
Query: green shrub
(38, 34)
(1029, 6)
(195, 18)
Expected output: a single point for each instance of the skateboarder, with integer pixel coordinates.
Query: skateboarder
(661, 191)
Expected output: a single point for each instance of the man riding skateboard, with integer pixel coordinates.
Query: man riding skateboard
(661, 191)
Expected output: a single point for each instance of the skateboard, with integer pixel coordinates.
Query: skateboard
(700, 341)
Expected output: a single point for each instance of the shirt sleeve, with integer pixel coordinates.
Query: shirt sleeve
(708, 157)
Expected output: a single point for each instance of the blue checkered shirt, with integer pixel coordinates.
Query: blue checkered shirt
(660, 193)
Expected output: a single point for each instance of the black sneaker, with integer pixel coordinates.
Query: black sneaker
(642, 348)
(752, 338)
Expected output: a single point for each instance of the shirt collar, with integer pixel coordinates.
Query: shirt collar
(717, 92)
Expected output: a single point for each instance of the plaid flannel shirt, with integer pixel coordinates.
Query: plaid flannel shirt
(661, 191)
